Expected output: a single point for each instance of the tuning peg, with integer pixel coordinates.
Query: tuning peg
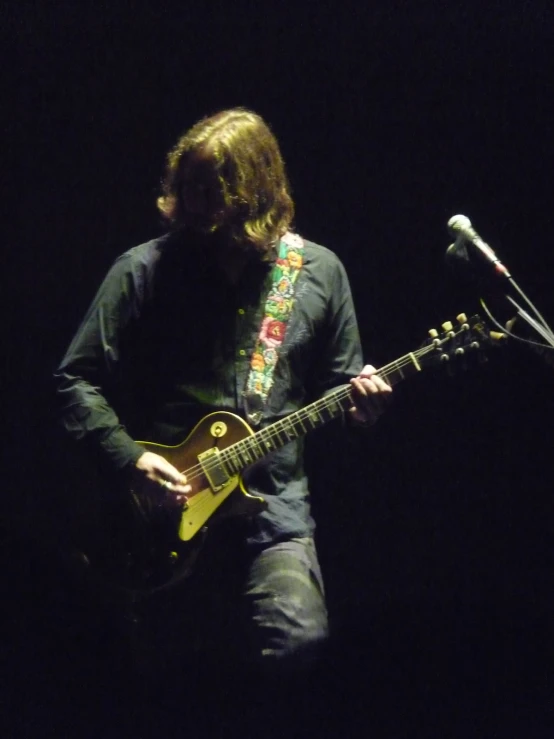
(447, 326)
(462, 320)
(434, 335)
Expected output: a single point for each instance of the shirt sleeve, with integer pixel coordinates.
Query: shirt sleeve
(90, 366)
(342, 353)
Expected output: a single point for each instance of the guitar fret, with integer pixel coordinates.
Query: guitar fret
(267, 441)
(397, 371)
(258, 451)
(282, 436)
(333, 406)
(291, 431)
(345, 402)
(313, 417)
(326, 414)
(277, 434)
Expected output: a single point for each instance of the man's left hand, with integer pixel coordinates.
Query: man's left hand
(369, 391)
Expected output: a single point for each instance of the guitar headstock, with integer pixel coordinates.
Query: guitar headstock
(463, 340)
(467, 337)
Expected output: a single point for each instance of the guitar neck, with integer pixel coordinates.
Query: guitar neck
(253, 448)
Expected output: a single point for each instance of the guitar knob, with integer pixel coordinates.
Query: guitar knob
(461, 318)
(433, 333)
(447, 326)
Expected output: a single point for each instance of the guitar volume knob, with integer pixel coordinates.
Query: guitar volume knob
(218, 429)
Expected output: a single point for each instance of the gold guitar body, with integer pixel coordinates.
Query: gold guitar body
(215, 489)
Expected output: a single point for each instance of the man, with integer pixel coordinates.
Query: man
(179, 328)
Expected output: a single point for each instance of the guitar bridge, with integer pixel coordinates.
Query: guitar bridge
(213, 468)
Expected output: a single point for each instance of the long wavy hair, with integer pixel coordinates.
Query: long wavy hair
(255, 207)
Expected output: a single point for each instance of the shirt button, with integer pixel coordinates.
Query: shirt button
(241, 311)
(242, 352)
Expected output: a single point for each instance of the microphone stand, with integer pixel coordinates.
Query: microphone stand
(538, 324)
(459, 252)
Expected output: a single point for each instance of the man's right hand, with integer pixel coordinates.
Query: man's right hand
(156, 474)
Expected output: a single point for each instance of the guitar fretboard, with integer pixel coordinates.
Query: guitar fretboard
(253, 448)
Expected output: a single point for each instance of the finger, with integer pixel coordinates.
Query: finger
(358, 386)
(176, 499)
(176, 489)
(371, 385)
(181, 489)
(170, 474)
(368, 370)
(171, 502)
(175, 483)
(377, 384)
(175, 495)
(366, 387)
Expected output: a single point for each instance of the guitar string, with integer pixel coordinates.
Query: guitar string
(323, 404)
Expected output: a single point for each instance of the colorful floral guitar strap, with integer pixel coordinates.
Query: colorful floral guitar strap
(278, 308)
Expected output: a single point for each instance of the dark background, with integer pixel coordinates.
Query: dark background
(436, 531)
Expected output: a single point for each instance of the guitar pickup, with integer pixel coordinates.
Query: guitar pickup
(213, 468)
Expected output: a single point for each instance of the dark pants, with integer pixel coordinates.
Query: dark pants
(265, 610)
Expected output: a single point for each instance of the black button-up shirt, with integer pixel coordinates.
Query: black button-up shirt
(168, 339)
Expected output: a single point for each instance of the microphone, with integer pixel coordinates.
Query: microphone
(460, 226)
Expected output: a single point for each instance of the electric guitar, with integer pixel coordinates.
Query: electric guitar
(222, 445)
